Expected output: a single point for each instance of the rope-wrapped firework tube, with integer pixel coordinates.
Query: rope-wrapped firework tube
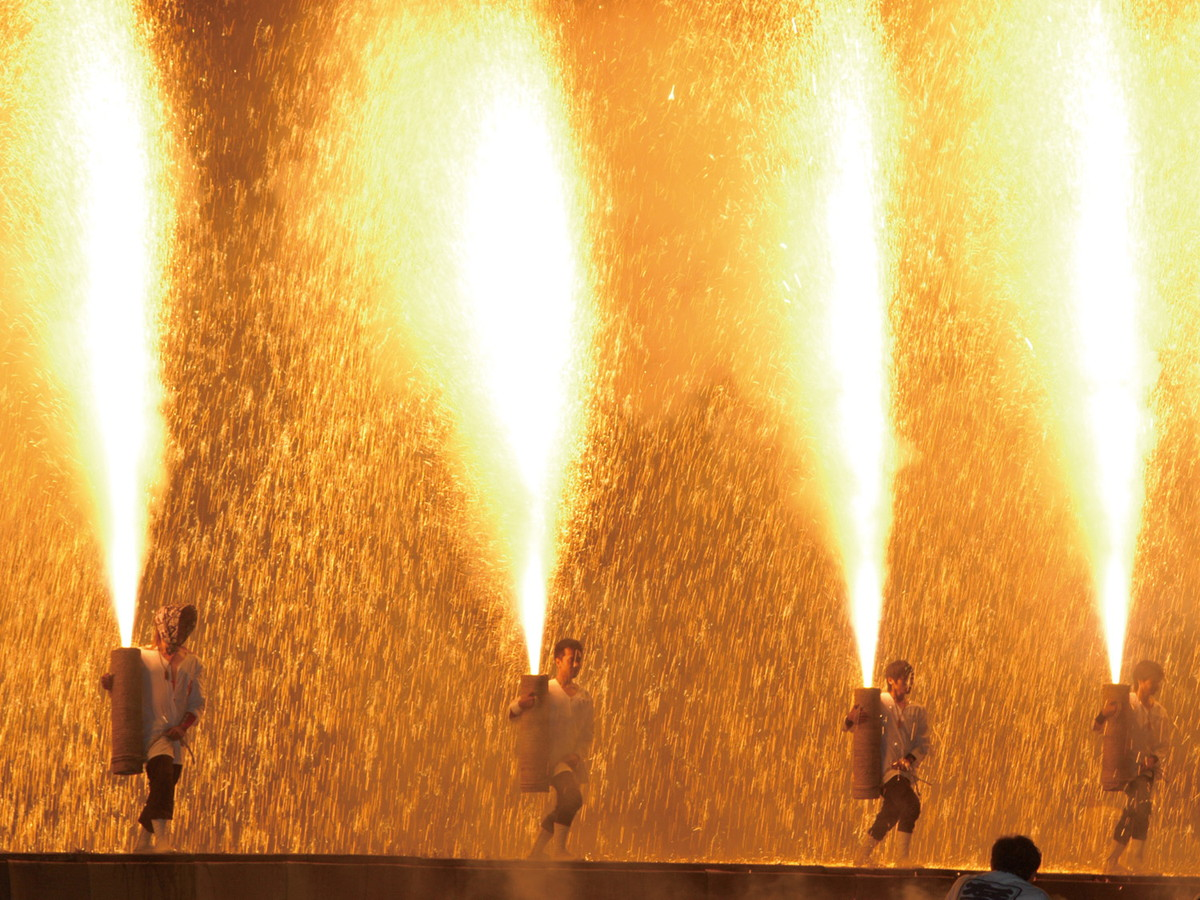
(533, 737)
(1117, 766)
(128, 755)
(866, 751)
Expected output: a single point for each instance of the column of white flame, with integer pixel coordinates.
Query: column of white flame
(1105, 295)
(521, 281)
(116, 215)
(857, 304)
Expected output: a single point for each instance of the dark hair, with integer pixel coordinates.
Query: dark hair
(897, 669)
(1016, 855)
(1147, 670)
(567, 644)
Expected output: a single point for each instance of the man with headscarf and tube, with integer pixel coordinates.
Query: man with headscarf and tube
(172, 698)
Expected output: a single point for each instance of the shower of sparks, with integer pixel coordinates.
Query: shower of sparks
(320, 510)
(116, 134)
(521, 281)
(1105, 294)
(858, 330)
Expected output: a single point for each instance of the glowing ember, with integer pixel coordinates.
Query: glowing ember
(1106, 291)
(120, 245)
(520, 274)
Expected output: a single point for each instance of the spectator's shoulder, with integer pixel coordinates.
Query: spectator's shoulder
(956, 888)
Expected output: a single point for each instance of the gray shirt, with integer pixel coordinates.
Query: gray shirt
(1149, 732)
(995, 886)
(905, 733)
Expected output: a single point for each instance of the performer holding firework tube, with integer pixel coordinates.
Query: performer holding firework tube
(1149, 730)
(570, 734)
(172, 698)
(906, 742)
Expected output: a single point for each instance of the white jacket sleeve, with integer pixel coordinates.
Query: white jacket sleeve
(921, 744)
(194, 702)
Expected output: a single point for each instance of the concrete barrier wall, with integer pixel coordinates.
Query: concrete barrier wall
(96, 877)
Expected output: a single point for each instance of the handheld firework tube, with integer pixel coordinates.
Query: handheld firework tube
(866, 751)
(128, 757)
(533, 737)
(1116, 762)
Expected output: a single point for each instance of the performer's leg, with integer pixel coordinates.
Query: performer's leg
(570, 798)
(1139, 820)
(163, 842)
(160, 801)
(909, 805)
(542, 839)
(892, 808)
(570, 801)
(1123, 831)
(888, 816)
(1135, 817)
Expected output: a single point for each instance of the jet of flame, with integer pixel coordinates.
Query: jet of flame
(116, 127)
(521, 280)
(856, 301)
(1105, 294)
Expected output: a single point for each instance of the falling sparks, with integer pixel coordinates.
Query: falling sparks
(323, 509)
(1105, 292)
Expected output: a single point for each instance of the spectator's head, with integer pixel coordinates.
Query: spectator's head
(1016, 855)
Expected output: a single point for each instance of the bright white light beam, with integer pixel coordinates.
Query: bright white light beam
(1105, 296)
(857, 305)
(118, 237)
(521, 281)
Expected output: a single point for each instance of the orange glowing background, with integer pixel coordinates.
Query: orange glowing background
(343, 498)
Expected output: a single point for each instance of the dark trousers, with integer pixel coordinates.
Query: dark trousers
(1135, 818)
(568, 800)
(163, 774)
(901, 808)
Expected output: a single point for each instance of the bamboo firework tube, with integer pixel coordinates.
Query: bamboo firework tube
(128, 755)
(866, 752)
(533, 737)
(1116, 762)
